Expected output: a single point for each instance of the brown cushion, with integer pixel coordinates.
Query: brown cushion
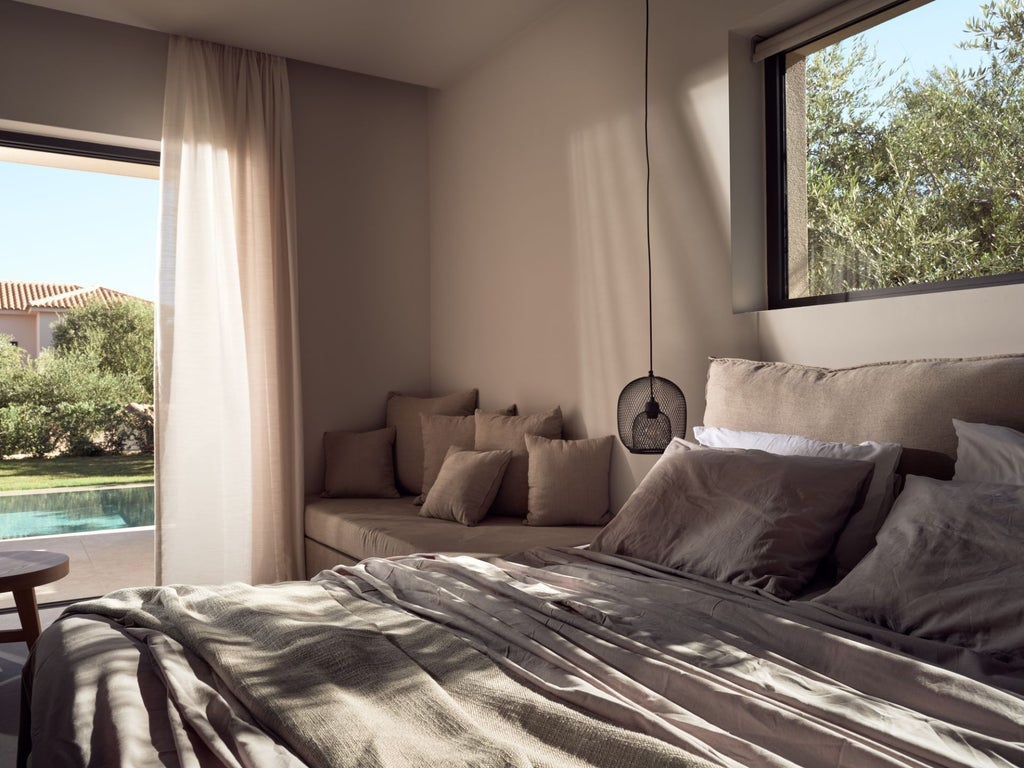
(360, 464)
(466, 485)
(439, 434)
(495, 432)
(403, 413)
(755, 519)
(568, 480)
(912, 403)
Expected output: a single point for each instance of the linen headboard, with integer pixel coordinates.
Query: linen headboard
(910, 402)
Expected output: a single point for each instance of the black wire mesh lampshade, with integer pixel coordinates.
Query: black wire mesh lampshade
(652, 411)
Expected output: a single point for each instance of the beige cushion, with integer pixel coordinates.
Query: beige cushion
(403, 413)
(495, 432)
(360, 464)
(912, 403)
(568, 480)
(751, 518)
(442, 432)
(358, 528)
(466, 485)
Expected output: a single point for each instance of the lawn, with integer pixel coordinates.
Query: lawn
(70, 471)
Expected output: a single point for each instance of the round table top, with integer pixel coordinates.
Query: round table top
(30, 568)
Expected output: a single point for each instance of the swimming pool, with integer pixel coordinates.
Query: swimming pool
(50, 513)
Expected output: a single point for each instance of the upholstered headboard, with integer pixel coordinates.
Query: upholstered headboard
(910, 402)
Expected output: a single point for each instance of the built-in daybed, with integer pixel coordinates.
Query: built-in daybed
(444, 476)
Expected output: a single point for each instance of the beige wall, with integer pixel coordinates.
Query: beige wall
(538, 260)
(537, 242)
(24, 330)
(361, 169)
(361, 174)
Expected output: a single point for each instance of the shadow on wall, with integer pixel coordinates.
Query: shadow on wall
(690, 221)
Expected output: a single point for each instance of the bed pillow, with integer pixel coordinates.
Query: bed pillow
(568, 480)
(986, 453)
(752, 518)
(858, 537)
(948, 566)
(360, 464)
(466, 485)
(439, 434)
(497, 432)
(403, 413)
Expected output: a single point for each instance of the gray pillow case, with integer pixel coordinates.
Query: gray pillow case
(751, 518)
(948, 566)
(858, 536)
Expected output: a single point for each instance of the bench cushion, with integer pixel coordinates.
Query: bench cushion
(363, 528)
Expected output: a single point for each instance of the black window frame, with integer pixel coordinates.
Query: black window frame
(776, 212)
(60, 146)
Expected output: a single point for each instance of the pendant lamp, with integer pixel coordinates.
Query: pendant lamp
(652, 409)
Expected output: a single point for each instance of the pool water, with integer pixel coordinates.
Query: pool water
(50, 513)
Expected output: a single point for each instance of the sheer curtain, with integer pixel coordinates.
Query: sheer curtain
(229, 454)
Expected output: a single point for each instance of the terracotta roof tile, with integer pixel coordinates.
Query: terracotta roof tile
(16, 295)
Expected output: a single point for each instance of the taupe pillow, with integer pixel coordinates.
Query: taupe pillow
(403, 413)
(439, 434)
(947, 567)
(466, 485)
(360, 464)
(497, 432)
(568, 480)
(755, 519)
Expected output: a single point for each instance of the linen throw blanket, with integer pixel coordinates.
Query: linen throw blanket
(415, 660)
(339, 681)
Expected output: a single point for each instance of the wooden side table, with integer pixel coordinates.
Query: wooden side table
(20, 573)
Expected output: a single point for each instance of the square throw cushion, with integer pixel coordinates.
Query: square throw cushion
(858, 535)
(497, 432)
(751, 518)
(466, 485)
(988, 453)
(947, 567)
(360, 464)
(439, 434)
(568, 480)
(403, 413)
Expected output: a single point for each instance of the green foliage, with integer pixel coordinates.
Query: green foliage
(117, 337)
(76, 398)
(917, 181)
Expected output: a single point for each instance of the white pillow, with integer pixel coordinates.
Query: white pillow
(858, 537)
(988, 454)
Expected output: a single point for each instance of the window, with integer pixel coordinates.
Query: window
(78, 242)
(894, 150)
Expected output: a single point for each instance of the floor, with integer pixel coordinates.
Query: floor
(100, 562)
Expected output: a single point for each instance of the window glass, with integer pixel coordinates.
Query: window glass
(901, 154)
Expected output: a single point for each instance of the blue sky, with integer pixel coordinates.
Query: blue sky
(59, 225)
(927, 36)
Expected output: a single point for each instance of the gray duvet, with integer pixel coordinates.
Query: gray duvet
(556, 657)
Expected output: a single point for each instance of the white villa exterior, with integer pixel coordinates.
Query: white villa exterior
(28, 311)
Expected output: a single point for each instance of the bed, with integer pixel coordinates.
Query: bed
(804, 585)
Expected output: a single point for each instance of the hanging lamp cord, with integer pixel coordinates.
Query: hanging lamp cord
(647, 157)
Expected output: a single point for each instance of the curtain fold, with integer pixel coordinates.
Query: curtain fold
(229, 452)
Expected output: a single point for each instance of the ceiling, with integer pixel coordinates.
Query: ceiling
(426, 42)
